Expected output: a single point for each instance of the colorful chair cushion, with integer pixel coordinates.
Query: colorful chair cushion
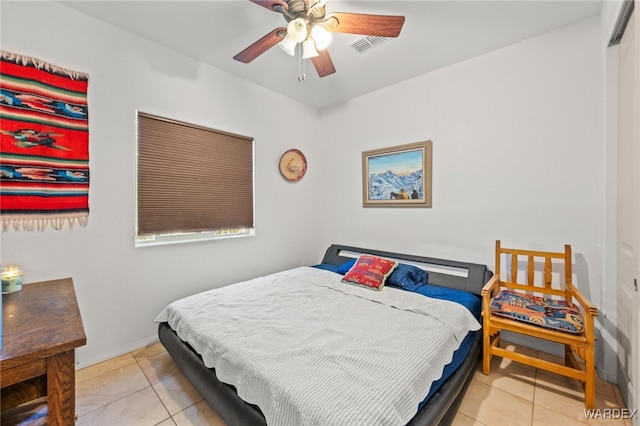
(547, 313)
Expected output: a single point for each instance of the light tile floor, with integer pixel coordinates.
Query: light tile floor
(145, 387)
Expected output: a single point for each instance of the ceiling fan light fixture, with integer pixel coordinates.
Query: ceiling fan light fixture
(309, 24)
(321, 36)
(288, 45)
(309, 49)
(297, 30)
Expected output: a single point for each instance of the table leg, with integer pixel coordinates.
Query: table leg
(61, 394)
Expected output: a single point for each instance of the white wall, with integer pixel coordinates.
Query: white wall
(517, 155)
(121, 289)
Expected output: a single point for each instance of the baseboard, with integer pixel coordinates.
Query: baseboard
(602, 373)
(114, 352)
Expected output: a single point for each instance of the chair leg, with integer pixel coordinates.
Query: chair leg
(486, 351)
(590, 382)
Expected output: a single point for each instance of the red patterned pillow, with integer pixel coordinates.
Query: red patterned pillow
(370, 271)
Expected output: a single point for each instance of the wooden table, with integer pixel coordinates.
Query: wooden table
(41, 327)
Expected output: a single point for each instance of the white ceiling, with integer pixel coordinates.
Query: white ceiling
(435, 34)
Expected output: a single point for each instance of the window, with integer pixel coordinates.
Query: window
(193, 182)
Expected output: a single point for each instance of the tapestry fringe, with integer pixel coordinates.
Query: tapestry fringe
(40, 223)
(40, 64)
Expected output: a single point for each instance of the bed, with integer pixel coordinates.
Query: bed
(446, 382)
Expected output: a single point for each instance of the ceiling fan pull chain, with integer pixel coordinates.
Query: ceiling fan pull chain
(301, 74)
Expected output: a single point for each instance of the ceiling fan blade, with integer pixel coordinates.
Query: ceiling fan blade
(261, 46)
(363, 24)
(323, 63)
(271, 4)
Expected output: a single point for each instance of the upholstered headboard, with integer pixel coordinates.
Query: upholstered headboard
(466, 276)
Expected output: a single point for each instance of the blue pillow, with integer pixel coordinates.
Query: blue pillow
(408, 277)
(344, 268)
(327, 267)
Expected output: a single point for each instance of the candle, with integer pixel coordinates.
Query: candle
(11, 277)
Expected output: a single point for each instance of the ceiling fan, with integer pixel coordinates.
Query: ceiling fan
(310, 25)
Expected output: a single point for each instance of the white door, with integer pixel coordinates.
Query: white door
(636, 280)
(629, 215)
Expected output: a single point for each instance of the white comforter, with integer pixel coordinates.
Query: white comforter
(310, 350)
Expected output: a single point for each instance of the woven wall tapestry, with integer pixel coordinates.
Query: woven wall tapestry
(44, 144)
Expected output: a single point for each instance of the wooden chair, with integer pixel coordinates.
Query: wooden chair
(542, 308)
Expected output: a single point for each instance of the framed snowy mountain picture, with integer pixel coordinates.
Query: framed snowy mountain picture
(398, 176)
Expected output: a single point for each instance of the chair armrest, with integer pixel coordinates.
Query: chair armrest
(490, 287)
(588, 307)
(489, 290)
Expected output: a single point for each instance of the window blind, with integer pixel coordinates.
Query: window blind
(191, 178)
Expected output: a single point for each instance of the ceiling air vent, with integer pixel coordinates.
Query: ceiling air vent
(367, 43)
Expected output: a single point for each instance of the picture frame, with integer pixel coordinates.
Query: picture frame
(398, 176)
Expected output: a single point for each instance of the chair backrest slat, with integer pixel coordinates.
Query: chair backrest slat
(544, 264)
(568, 272)
(547, 272)
(530, 270)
